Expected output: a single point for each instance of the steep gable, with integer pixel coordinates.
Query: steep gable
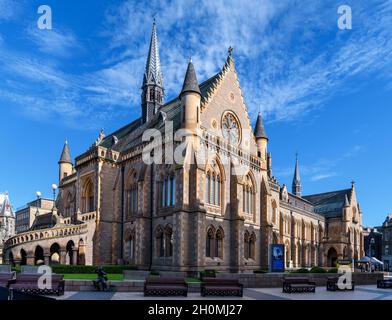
(221, 94)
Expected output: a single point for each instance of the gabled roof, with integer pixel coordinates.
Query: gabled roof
(44, 221)
(131, 134)
(5, 206)
(329, 204)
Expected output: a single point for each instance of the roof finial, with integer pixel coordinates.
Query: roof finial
(230, 51)
(352, 183)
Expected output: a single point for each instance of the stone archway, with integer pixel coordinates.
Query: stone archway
(70, 248)
(39, 256)
(11, 258)
(332, 256)
(54, 254)
(23, 257)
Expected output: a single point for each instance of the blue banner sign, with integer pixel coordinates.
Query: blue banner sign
(277, 258)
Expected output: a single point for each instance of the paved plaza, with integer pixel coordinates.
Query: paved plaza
(370, 292)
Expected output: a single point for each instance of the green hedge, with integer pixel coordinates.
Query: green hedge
(333, 270)
(302, 270)
(318, 270)
(66, 269)
(261, 271)
(208, 274)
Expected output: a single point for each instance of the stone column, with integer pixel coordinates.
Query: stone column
(74, 256)
(30, 260)
(63, 254)
(47, 259)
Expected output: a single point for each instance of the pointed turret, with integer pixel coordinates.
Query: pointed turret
(296, 186)
(65, 154)
(190, 82)
(346, 203)
(261, 141)
(65, 162)
(152, 87)
(259, 130)
(190, 98)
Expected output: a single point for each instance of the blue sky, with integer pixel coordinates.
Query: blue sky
(324, 92)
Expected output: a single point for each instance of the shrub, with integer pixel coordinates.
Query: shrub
(260, 271)
(154, 273)
(333, 270)
(114, 269)
(318, 270)
(208, 274)
(302, 270)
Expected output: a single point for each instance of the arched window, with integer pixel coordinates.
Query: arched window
(210, 242)
(248, 196)
(159, 240)
(252, 246)
(132, 195)
(67, 205)
(246, 245)
(168, 191)
(219, 243)
(208, 187)
(213, 192)
(152, 94)
(131, 246)
(274, 211)
(168, 241)
(88, 197)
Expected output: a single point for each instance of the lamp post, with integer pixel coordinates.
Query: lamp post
(54, 188)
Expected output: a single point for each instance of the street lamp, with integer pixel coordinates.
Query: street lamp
(54, 188)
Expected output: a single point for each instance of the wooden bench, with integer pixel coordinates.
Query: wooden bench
(332, 285)
(384, 284)
(6, 279)
(159, 286)
(221, 287)
(28, 283)
(298, 285)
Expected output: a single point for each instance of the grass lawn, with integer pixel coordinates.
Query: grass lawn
(91, 276)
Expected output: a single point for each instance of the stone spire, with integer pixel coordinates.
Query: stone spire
(190, 82)
(65, 154)
(296, 186)
(259, 130)
(152, 87)
(152, 72)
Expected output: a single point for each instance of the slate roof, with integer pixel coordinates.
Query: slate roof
(190, 82)
(131, 135)
(329, 204)
(259, 130)
(44, 221)
(65, 154)
(153, 73)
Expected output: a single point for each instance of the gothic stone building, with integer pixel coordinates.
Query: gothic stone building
(197, 214)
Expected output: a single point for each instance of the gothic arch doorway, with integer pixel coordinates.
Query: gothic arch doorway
(332, 256)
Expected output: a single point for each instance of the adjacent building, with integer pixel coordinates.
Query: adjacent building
(373, 239)
(7, 221)
(221, 207)
(387, 243)
(26, 215)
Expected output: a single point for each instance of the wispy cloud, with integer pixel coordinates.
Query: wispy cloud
(55, 41)
(290, 61)
(8, 9)
(321, 169)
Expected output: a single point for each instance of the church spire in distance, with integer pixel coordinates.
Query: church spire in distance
(152, 87)
(296, 186)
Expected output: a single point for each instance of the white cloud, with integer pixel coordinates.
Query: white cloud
(57, 42)
(283, 65)
(8, 9)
